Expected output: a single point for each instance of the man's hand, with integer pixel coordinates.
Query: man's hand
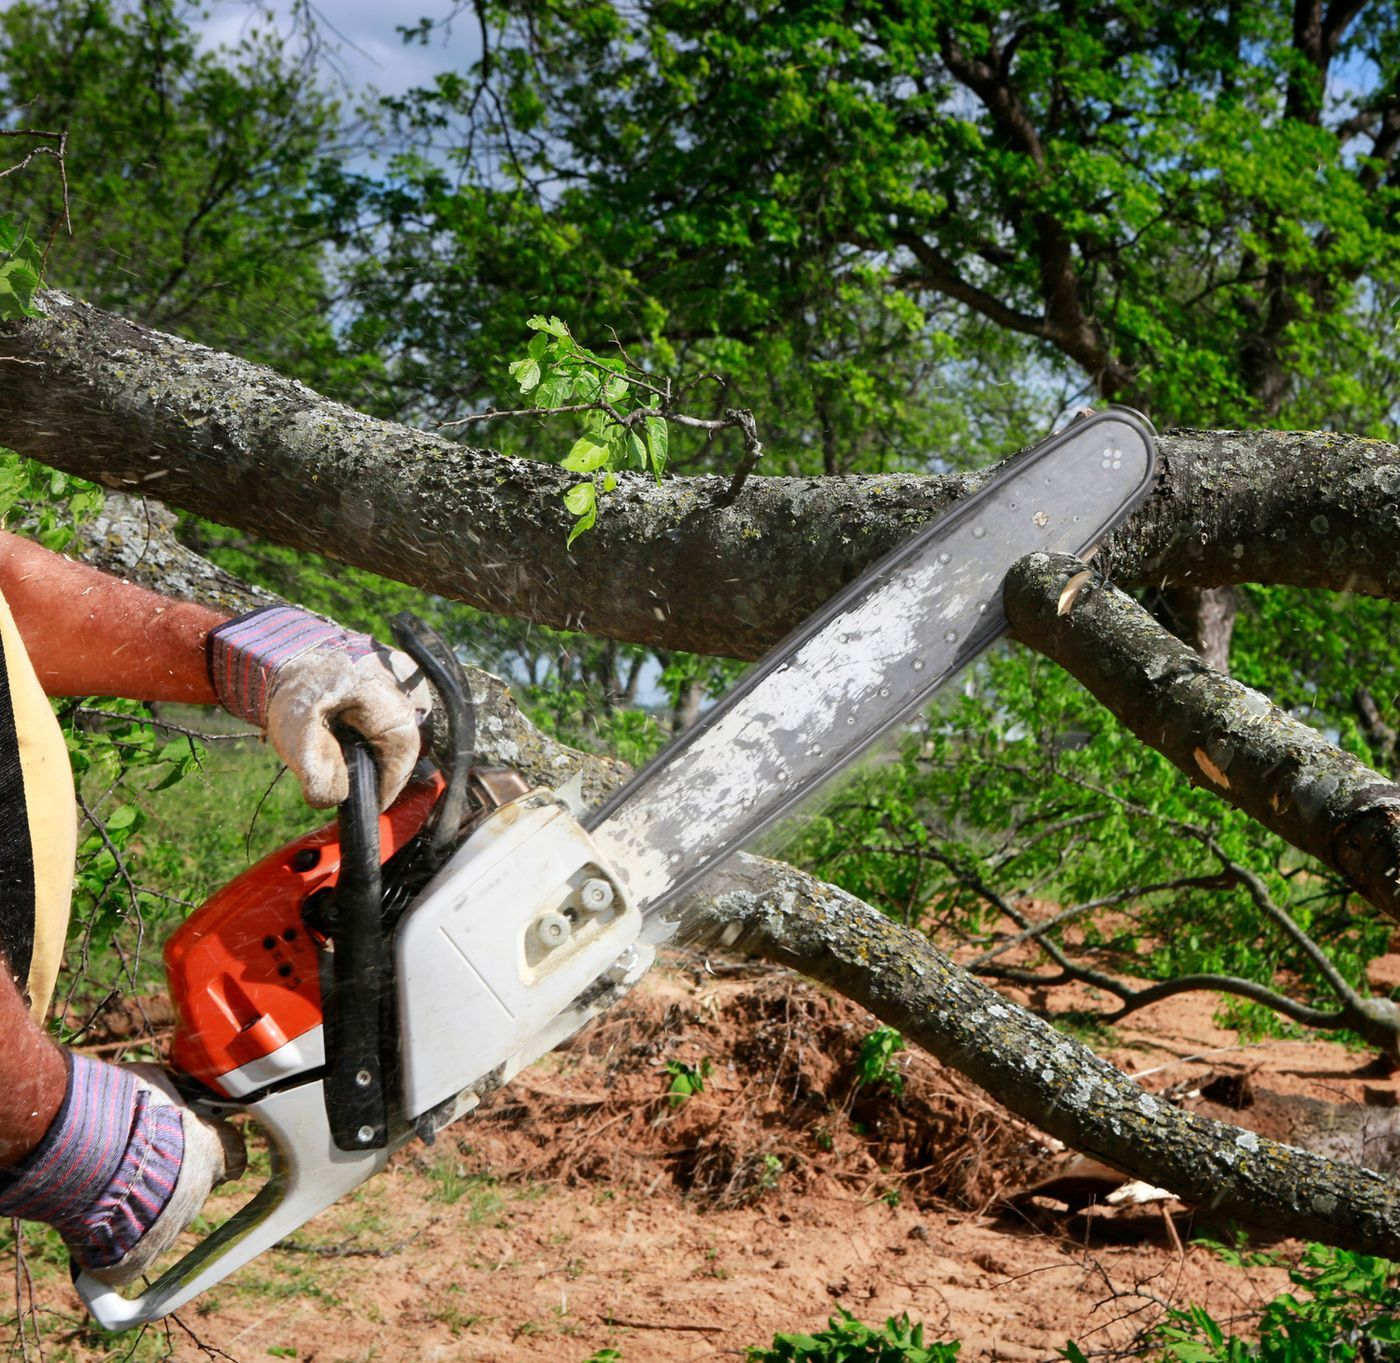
(295, 674)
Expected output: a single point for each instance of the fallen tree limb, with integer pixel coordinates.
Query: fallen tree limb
(770, 910)
(1223, 735)
(667, 565)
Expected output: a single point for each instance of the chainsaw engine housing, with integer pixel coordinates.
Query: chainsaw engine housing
(244, 969)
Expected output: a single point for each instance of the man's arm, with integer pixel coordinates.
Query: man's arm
(288, 672)
(90, 634)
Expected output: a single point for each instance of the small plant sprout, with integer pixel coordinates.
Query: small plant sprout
(899, 1340)
(686, 1081)
(875, 1063)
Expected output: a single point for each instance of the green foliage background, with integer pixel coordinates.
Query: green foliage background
(906, 236)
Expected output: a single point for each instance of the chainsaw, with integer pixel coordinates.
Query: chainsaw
(371, 982)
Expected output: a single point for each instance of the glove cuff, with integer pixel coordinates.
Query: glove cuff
(247, 652)
(106, 1167)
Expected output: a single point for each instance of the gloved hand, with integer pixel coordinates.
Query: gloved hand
(213, 1154)
(124, 1167)
(292, 674)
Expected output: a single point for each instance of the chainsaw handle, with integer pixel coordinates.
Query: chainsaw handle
(355, 1087)
(309, 1172)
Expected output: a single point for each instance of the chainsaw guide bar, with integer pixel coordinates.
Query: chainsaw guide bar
(866, 660)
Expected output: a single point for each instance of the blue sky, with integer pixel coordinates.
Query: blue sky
(361, 33)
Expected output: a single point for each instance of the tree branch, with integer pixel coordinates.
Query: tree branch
(144, 412)
(768, 910)
(1223, 735)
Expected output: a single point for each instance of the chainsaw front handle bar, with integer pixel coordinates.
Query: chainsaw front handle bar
(360, 976)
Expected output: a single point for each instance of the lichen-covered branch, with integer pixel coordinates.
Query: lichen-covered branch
(769, 910)
(668, 565)
(1223, 735)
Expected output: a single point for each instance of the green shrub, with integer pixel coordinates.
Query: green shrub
(848, 1340)
(1349, 1310)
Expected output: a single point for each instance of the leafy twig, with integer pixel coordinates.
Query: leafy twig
(627, 412)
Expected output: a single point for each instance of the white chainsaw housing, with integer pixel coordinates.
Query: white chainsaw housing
(503, 940)
(520, 939)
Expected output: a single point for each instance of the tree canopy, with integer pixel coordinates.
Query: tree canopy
(1190, 210)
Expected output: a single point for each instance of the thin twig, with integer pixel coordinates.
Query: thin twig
(347, 1250)
(153, 722)
(129, 1043)
(661, 1325)
(208, 1350)
(132, 892)
(753, 452)
(59, 154)
(734, 418)
(25, 1306)
(1218, 882)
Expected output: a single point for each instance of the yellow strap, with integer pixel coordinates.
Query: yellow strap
(38, 809)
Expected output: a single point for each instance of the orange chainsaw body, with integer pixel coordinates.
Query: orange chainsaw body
(244, 968)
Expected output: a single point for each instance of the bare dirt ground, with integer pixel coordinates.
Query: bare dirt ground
(585, 1210)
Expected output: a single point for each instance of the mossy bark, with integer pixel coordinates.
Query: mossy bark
(667, 565)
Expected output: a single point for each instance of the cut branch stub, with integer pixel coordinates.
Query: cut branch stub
(1223, 735)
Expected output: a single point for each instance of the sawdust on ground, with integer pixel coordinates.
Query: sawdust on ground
(585, 1210)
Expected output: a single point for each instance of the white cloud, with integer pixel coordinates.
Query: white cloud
(363, 46)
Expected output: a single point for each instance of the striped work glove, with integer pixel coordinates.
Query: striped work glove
(124, 1167)
(292, 674)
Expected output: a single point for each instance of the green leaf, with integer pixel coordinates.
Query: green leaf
(658, 442)
(686, 1080)
(122, 817)
(555, 391)
(585, 456)
(18, 284)
(550, 325)
(526, 373)
(582, 500)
